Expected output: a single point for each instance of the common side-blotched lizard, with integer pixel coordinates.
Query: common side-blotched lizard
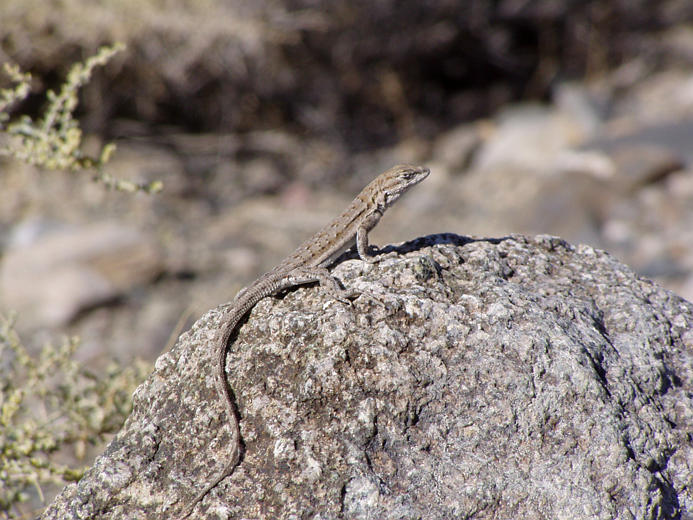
(307, 264)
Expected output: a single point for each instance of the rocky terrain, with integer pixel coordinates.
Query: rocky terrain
(263, 129)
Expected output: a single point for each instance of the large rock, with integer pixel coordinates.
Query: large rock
(503, 378)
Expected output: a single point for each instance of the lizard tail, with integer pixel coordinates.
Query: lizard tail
(232, 413)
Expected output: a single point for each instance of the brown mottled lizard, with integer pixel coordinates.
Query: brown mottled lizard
(307, 264)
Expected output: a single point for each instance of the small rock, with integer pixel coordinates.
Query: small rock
(594, 163)
(531, 137)
(638, 165)
(62, 272)
(455, 148)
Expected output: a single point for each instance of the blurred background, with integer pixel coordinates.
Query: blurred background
(263, 119)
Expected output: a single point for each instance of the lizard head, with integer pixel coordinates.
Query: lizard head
(397, 180)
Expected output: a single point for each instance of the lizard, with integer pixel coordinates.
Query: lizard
(308, 264)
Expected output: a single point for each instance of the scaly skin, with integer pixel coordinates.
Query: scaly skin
(307, 264)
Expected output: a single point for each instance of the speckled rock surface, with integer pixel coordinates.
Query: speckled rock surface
(503, 378)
